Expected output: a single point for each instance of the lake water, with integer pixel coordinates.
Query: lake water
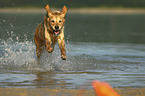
(105, 47)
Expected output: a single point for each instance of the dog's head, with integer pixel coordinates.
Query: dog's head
(55, 20)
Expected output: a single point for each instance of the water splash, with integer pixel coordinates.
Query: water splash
(22, 56)
(17, 55)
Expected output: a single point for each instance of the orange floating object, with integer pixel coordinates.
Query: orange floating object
(103, 89)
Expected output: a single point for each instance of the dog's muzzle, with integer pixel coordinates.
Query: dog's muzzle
(56, 31)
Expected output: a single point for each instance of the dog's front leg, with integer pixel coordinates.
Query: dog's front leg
(61, 43)
(48, 46)
(48, 41)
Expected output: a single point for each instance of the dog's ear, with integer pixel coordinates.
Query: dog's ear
(64, 10)
(49, 12)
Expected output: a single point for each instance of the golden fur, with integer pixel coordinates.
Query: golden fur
(50, 31)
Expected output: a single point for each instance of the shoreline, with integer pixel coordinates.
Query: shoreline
(77, 10)
(66, 92)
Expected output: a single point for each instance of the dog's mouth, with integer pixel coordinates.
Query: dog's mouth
(56, 32)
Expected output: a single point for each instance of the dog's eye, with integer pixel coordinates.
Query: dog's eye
(52, 21)
(60, 21)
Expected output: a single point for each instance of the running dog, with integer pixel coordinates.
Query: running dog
(50, 31)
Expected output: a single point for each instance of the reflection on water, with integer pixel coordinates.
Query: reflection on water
(105, 47)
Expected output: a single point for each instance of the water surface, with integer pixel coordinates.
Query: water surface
(105, 47)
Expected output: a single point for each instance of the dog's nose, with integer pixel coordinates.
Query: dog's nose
(56, 27)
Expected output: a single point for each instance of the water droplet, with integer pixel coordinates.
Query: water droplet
(4, 20)
(11, 25)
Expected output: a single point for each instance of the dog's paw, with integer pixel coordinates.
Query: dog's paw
(49, 50)
(63, 57)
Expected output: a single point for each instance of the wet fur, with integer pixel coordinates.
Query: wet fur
(45, 35)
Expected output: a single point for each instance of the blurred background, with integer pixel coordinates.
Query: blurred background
(112, 21)
(73, 3)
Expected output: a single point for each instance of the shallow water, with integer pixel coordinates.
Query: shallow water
(105, 47)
